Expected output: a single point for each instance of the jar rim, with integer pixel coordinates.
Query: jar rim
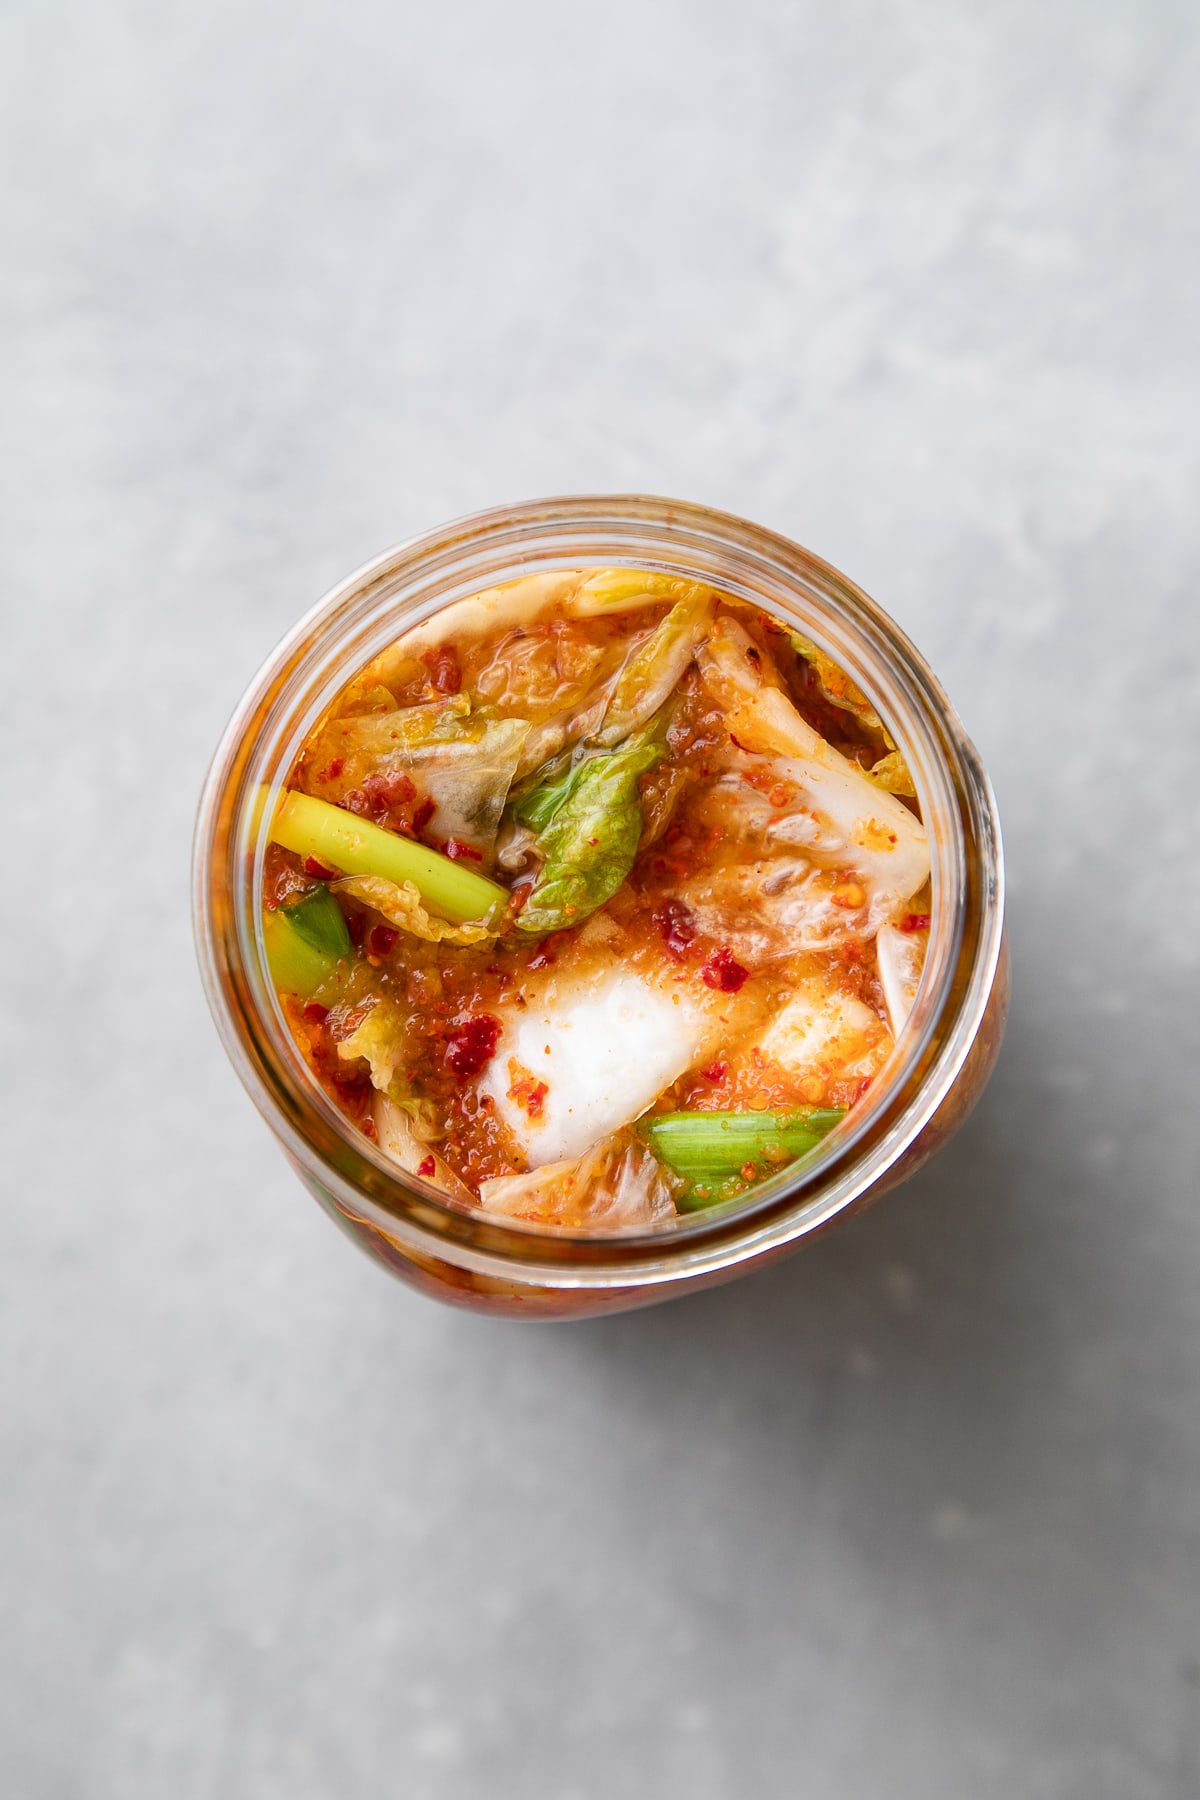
(410, 582)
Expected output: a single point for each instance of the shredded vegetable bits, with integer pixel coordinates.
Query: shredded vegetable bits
(597, 898)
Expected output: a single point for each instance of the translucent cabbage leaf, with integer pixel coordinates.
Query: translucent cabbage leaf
(548, 670)
(403, 1138)
(486, 614)
(347, 749)
(660, 797)
(900, 950)
(837, 686)
(891, 773)
(608, 591)
(550, 737)
(770, 907)
(624, 694)
(380, 1040)
(468, 781)
(845, 820)
(616, 1186)
(462, 762)
(401, 905)
(823, 1031)
(655, 667)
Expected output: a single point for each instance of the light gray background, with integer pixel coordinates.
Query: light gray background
(917, 1515)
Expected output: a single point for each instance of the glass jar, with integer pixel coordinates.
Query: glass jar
(933, 1077)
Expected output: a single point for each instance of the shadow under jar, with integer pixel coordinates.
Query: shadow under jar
(934, 1074)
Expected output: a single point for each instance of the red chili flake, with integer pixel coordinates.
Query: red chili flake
(388, 788)
(443, 668)
(529, 1094)
(317, 869)
(380, 940)
(915, 922)
(723, 973)
(548, 950)
(519, 896)
(356, 802)
(472, 1044)
(332, 770)
(356, 925)
(715, 1071)
(457, 851)
(678, 928)
(748, 1171)
(315, 1013)
(426, 1166)
(423, 814)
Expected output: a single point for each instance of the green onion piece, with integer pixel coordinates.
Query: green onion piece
(709, 1150)
(354, 846)
(305, 941)
(320, 921)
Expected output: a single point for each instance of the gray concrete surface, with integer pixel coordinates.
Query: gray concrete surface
(915, 1517)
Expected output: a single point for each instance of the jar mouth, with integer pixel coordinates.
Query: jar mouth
(416, 579)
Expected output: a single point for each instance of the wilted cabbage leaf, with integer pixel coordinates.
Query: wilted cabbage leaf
(619, 590)
(900, 950)
(366, 742)
(401, 905)
(542, 671)
(891, 772)
(621, 696)
(837, 686)
(655, 667)
(537, 807)
(379, 1039)
(484, 615)
(616, 1186)
(846, 821)
(551, 737)
(404, 1139)
(591, 820)
(468, 780)
(660, 797)
(460, 760)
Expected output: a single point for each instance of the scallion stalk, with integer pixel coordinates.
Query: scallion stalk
(355, 846)
(305, 941)
(710, 1150)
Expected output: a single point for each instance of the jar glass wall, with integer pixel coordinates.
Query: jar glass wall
(940, 1062)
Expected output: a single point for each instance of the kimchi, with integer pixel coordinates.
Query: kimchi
(597, 898)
